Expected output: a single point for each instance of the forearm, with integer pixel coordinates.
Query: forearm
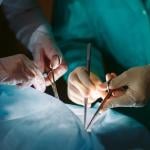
(24, 18)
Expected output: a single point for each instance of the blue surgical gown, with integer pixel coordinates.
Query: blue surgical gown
(119, 31)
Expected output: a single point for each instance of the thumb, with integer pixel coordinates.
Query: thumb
(122, 101)
(56, 61)
(119, 81)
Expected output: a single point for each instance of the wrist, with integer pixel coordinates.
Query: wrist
(42, 32)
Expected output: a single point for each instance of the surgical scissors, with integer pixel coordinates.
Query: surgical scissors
(109, 94)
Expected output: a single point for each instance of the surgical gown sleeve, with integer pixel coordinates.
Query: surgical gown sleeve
(24, 17)
(75, 55)
(73, 30)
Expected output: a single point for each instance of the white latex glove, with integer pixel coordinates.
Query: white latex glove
(137, 91)
(19, 70)
(80, 86)
(46, 53)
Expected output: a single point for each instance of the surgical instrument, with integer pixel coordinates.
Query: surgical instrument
(88, 62)
(109, 94)
(54, 87)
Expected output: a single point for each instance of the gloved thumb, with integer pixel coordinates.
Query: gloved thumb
(118, 81)
(56, 61)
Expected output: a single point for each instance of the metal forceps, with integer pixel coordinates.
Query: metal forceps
(54, 87)
(88, 62)
(109, 94)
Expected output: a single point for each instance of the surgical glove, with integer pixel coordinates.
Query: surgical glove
(81, 86)
(136, 85)
(19, 70)
(46, 54)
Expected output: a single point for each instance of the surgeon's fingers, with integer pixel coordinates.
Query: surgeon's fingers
(76, 100)
(26, 76)
(29, 68)
(94, 92)
(56, 61)
(113, 75)
(73, 92)
(97, 92)
(84, 91)
(15, 81)
(34, 76)
(95, 80)
(75, 82)
(39, 83)
(23, 77)
(38, 79)
(25, 83)
(109, 76)
(58, 72)
(3, 75)
(119, 81)
(84, 78)
(20, 79)
(52, 52)
(75, 96)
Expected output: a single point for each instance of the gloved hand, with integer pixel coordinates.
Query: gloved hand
(19, 70)
(80, 86)
(46, 53)
(136, 85)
